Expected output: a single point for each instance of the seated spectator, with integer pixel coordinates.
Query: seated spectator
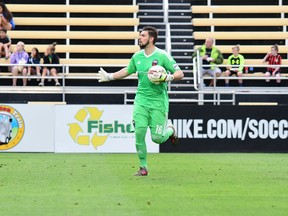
(50, 57)
(19, 56)
(6, 18)
(235, 59)
(273, 58)
(5, 43)
(34, 59)
(211, 56)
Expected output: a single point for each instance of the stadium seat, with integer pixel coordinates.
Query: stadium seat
(239, 22)
(239, 9)
(49, 8)
(118, 28)
(241, 35)
(85, 48)
(120, 35)
(77, 21)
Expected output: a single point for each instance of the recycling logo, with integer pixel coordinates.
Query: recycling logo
(82, 137)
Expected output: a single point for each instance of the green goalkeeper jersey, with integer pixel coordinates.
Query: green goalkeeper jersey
(149, 94)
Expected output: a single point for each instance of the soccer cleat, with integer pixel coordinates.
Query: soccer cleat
(141, 172)
(174, 138)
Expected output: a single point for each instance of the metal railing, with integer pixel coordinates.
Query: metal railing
(64, 89)
(199, 78)
(200, 100)
(215, 93)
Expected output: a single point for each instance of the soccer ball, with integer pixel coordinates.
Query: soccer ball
(157, 74)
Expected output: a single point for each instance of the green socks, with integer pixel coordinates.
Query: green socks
(142, 154)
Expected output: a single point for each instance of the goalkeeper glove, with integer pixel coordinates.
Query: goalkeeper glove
(104, 76)
(161, 77)
(168, 77)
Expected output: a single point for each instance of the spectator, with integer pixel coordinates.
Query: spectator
(5, 43)
(19, 56)
(6, 18)
(50, 57)
(34, 59)
(210, 55)
(235, 60)
(273, 58)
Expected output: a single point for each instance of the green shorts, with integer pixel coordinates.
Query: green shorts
(155, 119)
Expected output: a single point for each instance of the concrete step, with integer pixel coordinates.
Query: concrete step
(181, 33)
(158, 25)
(183, 36)
(182, 30)
(151, 19)
(181, 26)
(182, 40)
(180, 19)
(149, 1)
(182, 46)
(185, 66)
(182, 60)
(177, 10)
(186, 58)
(150, 13)
(177, 6)
(182, 53)
(152, 6)
(180, 1)
(180, 13)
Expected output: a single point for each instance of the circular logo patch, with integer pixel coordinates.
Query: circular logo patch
(12, 127)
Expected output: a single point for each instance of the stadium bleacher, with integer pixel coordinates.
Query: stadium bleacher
(71, 38)
(243, 24)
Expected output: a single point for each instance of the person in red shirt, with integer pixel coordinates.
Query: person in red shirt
(273, 58)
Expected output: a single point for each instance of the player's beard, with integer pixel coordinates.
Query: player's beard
(142, 46)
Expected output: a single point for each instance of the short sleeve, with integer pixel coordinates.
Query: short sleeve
(131, 66)
(170, 64)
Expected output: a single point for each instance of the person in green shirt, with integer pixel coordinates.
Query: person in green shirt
(151, 104)
(235, 60)
(211, 56)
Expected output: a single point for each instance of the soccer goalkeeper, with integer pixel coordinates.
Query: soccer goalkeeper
(151, 103)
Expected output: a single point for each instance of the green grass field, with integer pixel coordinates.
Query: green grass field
(178, 184)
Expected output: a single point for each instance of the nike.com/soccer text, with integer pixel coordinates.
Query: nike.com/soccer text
(232, 128)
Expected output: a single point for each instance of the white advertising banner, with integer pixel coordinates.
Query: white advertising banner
(26, 128)
(96, 129)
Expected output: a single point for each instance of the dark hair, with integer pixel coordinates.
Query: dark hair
(37, 52)
(53, 45)
(152, 32)
(8, 15)
(275, 47)
(3, 30)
